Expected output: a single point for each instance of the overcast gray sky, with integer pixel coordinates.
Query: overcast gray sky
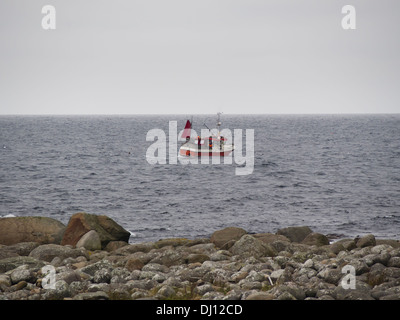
(199, 56)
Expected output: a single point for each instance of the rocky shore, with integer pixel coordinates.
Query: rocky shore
(91, 259)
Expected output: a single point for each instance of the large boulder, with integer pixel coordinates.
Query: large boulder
(107, 229)
(270, 237)
(295, 234)
(47, 252)
(366, 241)
(30, 229)
(316, 239)
(248, 246)
(18, 249)
(224, 236)
(14, 262)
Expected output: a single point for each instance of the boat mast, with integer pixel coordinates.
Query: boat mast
(191, 126)
(219, 123)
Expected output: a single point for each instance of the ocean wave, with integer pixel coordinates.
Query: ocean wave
(8, 216)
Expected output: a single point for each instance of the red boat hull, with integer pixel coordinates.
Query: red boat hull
(189, 153)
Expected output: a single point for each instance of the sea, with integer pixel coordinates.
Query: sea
(337, 174)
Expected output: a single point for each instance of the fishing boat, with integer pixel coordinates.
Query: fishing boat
(212, 145)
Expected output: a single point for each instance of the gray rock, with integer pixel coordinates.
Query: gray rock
(220, 256)
(286, 296)
(22, 248)
(170, 257)
(270, 237)
(90, 241)
(98, 295)
(337, 247)
(5, 253)
(155, 267)
(372, 258)
(142, 284)
(295, 234)
(281, 261)
(93, 287)
(165, 292)
(48, 252)
(192, 275)
(358, 295)
(197, 257)
(13, 262)
(92, 268)
(174, 282)
(386, 288)
(260, 296)
(275, 275)
(279, 245)
(201, 290)
(56, 262)
(147, 275)
(5, 280)
(362, 291)
(60, 292)
(381, 248)
(18, 295)
(391, 242)
(326, 297)
(362, 252)
(326, 291)
(308, 263)
(366, 241)
(221, 237)
(316, 239)
(391, 297)
(248, 284)
(119, 293)
(102, 276)
(143, 247)
(119, 275)
(134, 264)
(140, 295)
(217, 276)
(348, 244)
(360, 266)
(76, 287)
(114, 245)
(22, 273)
(233, 295)
(255, 276)
(212, 295)
(248, 246)
(394, 262)
(159, 277)
(203, 248)
(307, 272)
(391, 272)
(329, 275)
(69, 276)
(296, 292)
(172, 242)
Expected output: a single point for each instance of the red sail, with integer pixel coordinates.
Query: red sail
(186, 131)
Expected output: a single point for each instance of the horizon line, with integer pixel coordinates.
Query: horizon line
(175, 113)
